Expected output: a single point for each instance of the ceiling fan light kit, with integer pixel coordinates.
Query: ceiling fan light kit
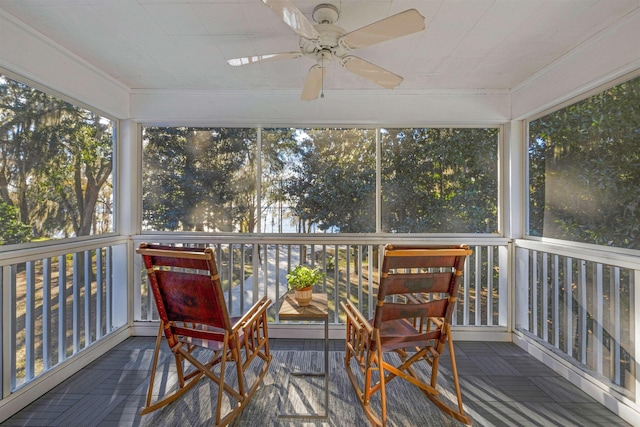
(325, 42)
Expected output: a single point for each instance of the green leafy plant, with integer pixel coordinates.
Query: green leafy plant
(303, 276)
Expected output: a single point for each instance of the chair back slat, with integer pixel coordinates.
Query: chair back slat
(409, 283)
(434, 308)
(420, 259)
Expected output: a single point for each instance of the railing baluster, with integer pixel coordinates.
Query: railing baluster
(265, 272)
(46, 313)
(477, 285)
(336, 280)
(582, 310)
(75, 303)
(98, 293)
(370, 258)
(490, 312)
(5, 301)
(336, 273)
(30, 321)
(534, 293)
(62, 308)
(466, 279)
(360, 284)
(242, 276)
(277, 272)
(556, 301)
(617, 324)
(230, 267)
(569, 305)
(324, 268)
(13, 285)
(347, 258)
(109, 289)
(545, 296)
(598, 318)
(87, 299)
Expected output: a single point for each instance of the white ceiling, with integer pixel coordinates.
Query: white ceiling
(184, 44)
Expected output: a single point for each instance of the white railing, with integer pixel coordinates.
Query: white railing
(251, 267)
(57, 301)
(61, 299)
(574, 301)
(581, 303)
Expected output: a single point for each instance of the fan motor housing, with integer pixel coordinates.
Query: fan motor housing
(327, 41)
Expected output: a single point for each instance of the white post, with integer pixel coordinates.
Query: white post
(128, 220)
(514, 221)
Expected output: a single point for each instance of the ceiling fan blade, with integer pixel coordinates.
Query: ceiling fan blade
(371, 72)
(292, 16)
(404, 23)
(245, 60)
(313, 84)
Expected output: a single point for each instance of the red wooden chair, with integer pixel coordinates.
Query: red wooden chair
(415, 325)
(193, 315)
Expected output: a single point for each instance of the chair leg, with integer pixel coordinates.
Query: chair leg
(223, 364)
(154, 366)
(183, 386)
(373, 363)
(458, 413)
(454, 370)
(383, 394)
(235, 354)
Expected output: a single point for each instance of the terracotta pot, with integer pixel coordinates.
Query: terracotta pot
(304, 295)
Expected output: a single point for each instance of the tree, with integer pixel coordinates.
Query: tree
(439, 180)
(333, 181)
(56, 161)
(279, 146)
(584, 170)
(26, 115)
(11, 229)
(81, 169)
(198, 179)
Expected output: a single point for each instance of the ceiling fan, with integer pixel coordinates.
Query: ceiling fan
(325, 42)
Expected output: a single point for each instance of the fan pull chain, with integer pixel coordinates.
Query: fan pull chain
(322, 78)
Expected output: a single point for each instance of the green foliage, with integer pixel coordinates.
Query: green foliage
(56, 163)
(434, 180)
(439, 180)
(303, 276)
(197, 179)
(333, 180)
(12, 231)
(584, 170)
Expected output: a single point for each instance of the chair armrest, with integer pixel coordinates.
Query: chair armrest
(438, 321)
(254, 312)
(355, 317)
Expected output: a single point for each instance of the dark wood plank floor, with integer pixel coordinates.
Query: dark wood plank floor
(501, 383)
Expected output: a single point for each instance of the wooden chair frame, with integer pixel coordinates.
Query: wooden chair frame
(421, 324)
(193, 314)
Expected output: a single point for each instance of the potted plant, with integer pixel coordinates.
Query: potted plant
(301, 279)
